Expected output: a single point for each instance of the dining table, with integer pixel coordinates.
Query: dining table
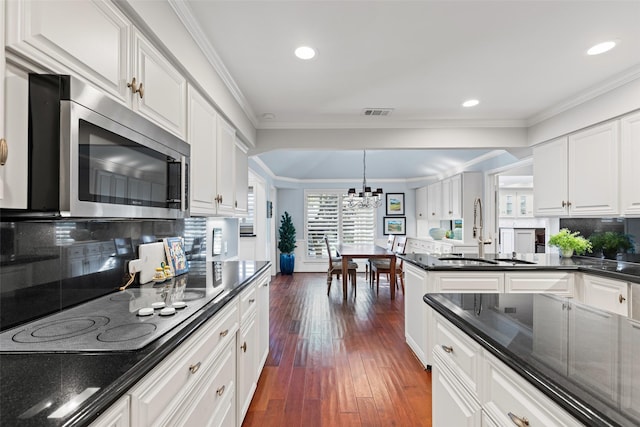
(371, 251)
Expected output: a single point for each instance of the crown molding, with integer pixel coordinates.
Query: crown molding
(383, 123)
(592, 92)
(184, 13)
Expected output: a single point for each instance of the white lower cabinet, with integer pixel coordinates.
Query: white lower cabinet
(452, 404)
(116, 416)
(247, 355)
(630, 369)
(606, 294)
(415, 312)
(263, 320)
(462, 282)
(550, 331)
(558, 283)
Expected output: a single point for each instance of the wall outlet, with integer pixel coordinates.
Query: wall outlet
(509, 310)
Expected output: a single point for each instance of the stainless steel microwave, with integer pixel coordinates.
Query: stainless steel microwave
(90, 156)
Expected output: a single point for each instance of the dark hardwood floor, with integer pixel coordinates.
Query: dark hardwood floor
(335, 363)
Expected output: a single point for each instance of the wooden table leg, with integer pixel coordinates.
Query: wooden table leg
(345, 273)
(392, 273)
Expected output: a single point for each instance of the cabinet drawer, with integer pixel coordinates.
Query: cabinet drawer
(459, 351)
(472, 281)
(505, 392)
(556, 283)
(606, 294)
(160, 393)
(210, 402)
(248, 299)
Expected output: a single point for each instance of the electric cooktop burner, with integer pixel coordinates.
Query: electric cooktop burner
(112, 322)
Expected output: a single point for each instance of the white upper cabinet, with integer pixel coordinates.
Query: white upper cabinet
(630, 159)
(421, 203)
(162, 90)
(226, 166)
(87, 38)
(95, 41)
(241, 202)
(202, 134)
(452, 197)
(434, 201)
(578, 175)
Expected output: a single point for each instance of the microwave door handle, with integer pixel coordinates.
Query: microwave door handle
(183, 183)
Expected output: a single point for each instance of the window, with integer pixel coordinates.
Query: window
(327, 214)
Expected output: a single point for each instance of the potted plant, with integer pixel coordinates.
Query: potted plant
(611, 242)
(287, 244)
(569, 242)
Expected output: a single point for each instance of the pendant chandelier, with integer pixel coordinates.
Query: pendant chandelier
(365, 198)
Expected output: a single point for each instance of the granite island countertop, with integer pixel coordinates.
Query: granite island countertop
(597, 385)
(34, 384)
(614, 269)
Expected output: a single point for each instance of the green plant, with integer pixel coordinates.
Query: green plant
(566, 240)
(610, 241)
(287, 234)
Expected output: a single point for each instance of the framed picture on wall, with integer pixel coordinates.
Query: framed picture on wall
(394, 225)
(395, 203)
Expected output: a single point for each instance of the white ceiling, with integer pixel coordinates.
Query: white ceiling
(521, 59)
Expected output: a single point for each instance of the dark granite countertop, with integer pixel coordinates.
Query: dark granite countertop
(34, 385)
(593, 380)
(614, 269)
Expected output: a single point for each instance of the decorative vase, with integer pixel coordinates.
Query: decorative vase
(566, 253)
(287, 263)
(610, 253)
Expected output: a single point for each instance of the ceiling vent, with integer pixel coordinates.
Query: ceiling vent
(374, 112)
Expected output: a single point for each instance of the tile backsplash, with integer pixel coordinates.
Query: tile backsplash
(48, 266)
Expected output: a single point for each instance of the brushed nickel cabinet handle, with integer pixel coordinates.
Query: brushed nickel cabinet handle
(220, 391)
(266, 284)
(194, 368)
(447, 348)
(621, 299)
(520, 422)
(4, 151)
(564, 204)
(252, 300)
(140, 91)
(224, 333)
(133, 85)
(244, 347)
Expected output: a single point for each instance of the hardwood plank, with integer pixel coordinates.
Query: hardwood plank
(338, 363)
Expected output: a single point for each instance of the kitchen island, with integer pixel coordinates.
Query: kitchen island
(73, 388)
(549, 359)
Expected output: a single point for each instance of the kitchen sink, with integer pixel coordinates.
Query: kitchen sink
(515, 260)
(467, 259)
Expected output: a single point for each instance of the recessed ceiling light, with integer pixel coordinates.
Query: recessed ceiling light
(470, 103)
(305, 52)
(268, 116)
(601, 48)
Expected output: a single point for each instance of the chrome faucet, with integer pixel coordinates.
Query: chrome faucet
(477, 227)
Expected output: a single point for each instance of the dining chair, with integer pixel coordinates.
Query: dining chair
(335, 267)
(384, 266)
(391, 239)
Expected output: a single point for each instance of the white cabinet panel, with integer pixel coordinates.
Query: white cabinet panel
(550, 326)
(263, 320)
(225, 166)
(630, 158)
(241, 185)
(452, 406)
(13, 175)
(164, 96)
(606, 294)
(452, 197)
(630, 374)
(421, 203)
(464, 282)
(415, 319)
(88, 38)
(116, 416)
(247, 351)
(524, 240)
(550, 172)
(434, 201)
(543, 281)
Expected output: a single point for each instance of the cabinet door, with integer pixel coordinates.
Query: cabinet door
(452, 405)
(242, 180)
(421, 203)
(594, 170)
(415, 319)
(630, 157)
(202, 134)
(446, 199)
(455, 197)
(464, 282)
(225, 167)
(630, 369)
(247, 351)
(507, 240)
(550, 175)
(87, 38)
(506, 204)
(593, 357)
(263, 321)
(606, 294)
(524, 204)
(164, 96)
(550, 327)
(116, 416)
(13, 175)
(434, 199)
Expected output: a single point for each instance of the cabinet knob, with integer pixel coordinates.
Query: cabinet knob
(4, 151)
(135, 88)
(564, 204)
(244, 347)
(224, 333)
(220, 391)
(621, 299)
(140, 91)
(447, 348)
(252, 300)
(520, 422)
(194, 368)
